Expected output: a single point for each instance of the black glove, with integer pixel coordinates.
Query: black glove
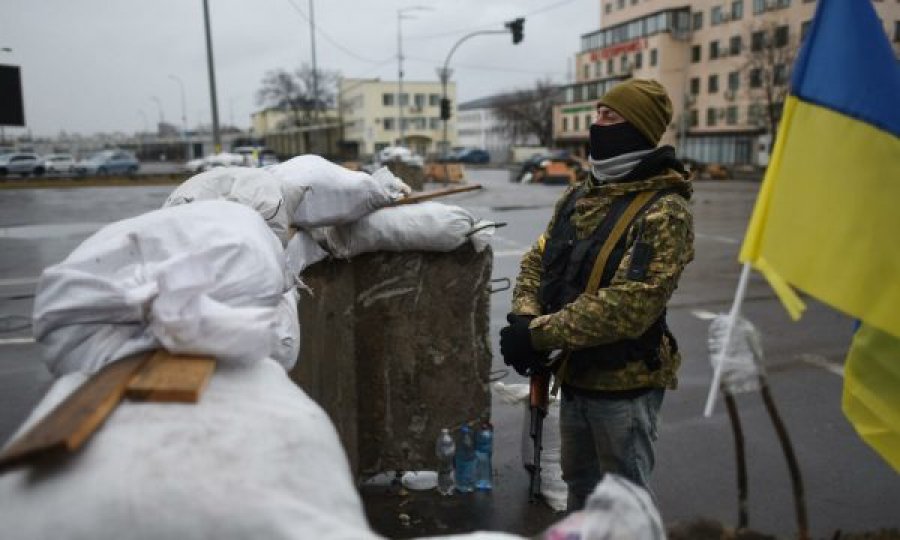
(516, 347)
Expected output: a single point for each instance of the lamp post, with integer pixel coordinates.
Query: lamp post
(401, 14)
(217, 139)
(159, 107)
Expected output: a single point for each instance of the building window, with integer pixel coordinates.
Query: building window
(404, 100)
(734, 80)
(695, 86)
(653, 57)
(755, 78)
(697, 22)
(575, 126)
(620, 4)
(711, 117)
(592, 92)
(434, 123)
(387, 99)
(755, 114)
(388, 124)
(695, 54)
(565, 126)
(693, 118)
(608, 7)
(737, 10)
(713, 49)
(715, 16)
(781, 36)
(598, 69)
(779, 74)
(758, 40)
(804, 28)
(759, 6)
(587, 122)
(609, 66)
(638, 60)
(734, 46)
(419, 100)
(434, 100)
(586, 71)
(623, 62)
(731, 115)
(712, 84)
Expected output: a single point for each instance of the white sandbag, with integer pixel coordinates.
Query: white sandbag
(302, 251)
(319, 192)
(255, 188)
(202, 278)
(287, 331)
(617, 508)
(426, 226)
(254, 458)
(553, 489)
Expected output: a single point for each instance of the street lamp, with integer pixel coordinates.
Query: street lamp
(183, 110)
(400, 16)
(158, 106)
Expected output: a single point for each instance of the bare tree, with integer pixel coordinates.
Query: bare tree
(767, 70)
(302, 93)
(529, 112)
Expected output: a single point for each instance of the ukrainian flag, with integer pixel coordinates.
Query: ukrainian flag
(827, 220)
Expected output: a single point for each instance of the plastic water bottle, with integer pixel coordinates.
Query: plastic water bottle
(445, 449)
(465, 461)
(484, 448)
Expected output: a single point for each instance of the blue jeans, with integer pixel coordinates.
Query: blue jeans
(600, 435)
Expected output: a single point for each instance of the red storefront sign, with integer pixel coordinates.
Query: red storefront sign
(620, 48)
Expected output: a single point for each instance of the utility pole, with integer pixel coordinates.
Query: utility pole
(217, 139)
(315, 73)
(400, 17)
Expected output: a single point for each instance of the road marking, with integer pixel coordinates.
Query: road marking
(717, 238)
(704, 315)
(820, 361)
(509, 253)
(16, 341)
(14, 282)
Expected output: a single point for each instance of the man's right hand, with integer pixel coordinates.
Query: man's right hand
(516, 347)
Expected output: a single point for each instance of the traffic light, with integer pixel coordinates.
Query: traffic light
(445, 109)
(515, 27)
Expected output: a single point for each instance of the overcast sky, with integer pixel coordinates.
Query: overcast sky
(100, 65)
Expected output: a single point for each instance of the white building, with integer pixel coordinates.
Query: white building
(479, 127)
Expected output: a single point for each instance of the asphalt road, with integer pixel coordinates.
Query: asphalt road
(847, 485)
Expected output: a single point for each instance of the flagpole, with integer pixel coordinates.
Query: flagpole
(729, 332)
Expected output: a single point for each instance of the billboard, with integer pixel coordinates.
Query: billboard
(12, 110)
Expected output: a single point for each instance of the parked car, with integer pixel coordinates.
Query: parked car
(559, 167)
(468, 155)
(59, 163)
(109, 162)
(23, 163)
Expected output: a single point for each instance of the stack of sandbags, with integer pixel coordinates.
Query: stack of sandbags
(255, 458)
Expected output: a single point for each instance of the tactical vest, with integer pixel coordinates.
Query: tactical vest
(566, 268)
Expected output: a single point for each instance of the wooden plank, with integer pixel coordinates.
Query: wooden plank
(69, 425)
(171, 378)
(419, 197)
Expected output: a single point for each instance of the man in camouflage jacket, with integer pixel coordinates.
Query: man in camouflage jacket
(617, 355)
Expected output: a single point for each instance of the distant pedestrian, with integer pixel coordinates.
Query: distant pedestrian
(595, 287)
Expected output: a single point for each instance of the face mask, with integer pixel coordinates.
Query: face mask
(615, 140)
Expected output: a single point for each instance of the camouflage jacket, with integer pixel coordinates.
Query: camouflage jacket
(626, 308)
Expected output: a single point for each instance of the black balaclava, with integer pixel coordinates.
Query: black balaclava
(617, 139)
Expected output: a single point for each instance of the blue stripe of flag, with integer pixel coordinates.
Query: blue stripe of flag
(846, 64)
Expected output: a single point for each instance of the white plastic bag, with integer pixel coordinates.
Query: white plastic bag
(254, 458)
(553, 488)
(426, 226)
(742, 362)
(617, 509)
(328, 194)
(255, 188)
(203, 278)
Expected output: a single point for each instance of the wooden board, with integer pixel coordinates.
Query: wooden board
(173, 378)
(68, 425)
(419, 197)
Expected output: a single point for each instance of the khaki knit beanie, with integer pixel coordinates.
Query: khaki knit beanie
(644, 104)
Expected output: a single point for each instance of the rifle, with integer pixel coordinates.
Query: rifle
(539, 398)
